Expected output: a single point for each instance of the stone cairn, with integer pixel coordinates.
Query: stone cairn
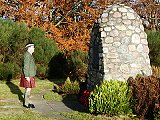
(118, 46)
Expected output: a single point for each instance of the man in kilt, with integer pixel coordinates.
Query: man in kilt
(28, 74)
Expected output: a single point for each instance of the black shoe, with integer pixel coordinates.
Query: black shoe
(26, 106)
(31, 106)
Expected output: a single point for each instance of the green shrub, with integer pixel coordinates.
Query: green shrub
(78, 63)
(70, 87)
(14, 37)
(58, 66)
(153, 38)
(111, 97)
(72, 64)
(41, 71)
(8, 70)
(45, 49)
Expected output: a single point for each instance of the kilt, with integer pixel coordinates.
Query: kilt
(24, 83)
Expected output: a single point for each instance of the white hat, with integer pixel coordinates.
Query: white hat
(29, 45)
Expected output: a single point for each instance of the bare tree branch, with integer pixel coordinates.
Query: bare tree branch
(69, 12)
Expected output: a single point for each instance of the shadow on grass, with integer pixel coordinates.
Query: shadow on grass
(72, 102)
(14, 88)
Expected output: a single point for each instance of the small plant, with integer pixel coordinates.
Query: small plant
(156, 71)
(70, 87)
(111, 97)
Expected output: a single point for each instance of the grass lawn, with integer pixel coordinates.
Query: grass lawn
(11, 93)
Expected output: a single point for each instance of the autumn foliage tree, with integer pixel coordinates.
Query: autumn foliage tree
(57, 18)
(69, 22)
(148, 10)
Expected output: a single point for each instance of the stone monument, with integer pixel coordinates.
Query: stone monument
(118, 46)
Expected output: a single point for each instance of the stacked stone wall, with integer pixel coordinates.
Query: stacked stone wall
(118, 46)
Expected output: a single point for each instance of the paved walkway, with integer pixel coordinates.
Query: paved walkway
(11, 108)
(51, 109)
(54, 108)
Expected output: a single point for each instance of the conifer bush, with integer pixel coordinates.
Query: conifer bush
(111, 98)
(14, 37)
(58, 67)
(12, 40)
(8, 70)
(153, 38)
(72, 64)
(78, 63)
